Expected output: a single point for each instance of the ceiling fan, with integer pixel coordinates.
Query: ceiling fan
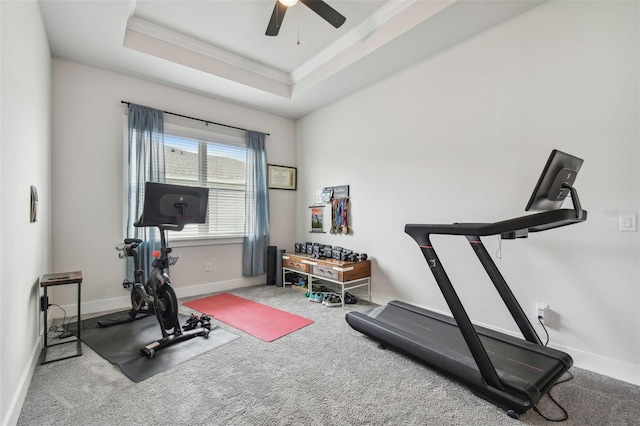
(325, 11)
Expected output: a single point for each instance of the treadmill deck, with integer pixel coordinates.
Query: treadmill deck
(528, 370)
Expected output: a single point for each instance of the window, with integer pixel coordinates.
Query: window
(218, 161)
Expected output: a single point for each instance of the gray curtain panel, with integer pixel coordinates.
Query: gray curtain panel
(256, 228)
(145, 164)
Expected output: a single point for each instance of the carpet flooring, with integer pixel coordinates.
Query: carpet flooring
(323, 374)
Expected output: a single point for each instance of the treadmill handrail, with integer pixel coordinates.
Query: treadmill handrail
(533, 223)
(479, 353)
(473, 231)
(510, 301)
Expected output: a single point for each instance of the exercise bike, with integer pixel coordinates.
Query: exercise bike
(155, 296)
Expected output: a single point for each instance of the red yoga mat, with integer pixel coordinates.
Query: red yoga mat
(264, 322)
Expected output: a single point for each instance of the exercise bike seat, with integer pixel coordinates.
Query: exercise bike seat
(132, 240)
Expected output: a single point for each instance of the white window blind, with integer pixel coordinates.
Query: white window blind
(197, 157)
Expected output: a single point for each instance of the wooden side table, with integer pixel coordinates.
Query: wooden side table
(50, 280)
(347, 275)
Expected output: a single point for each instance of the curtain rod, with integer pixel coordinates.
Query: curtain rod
(207, 122)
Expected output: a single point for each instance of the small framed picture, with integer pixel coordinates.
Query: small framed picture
(317, 219)
(282, 177)
(33, 217)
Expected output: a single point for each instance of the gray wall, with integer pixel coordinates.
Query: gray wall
(463, 137)
(25, 160)
(88, 181)
(460, 137)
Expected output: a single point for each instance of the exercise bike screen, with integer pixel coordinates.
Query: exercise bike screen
(166, 204)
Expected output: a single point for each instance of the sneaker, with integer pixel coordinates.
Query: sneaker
(350, 299)
(326, 297)
(334, 300)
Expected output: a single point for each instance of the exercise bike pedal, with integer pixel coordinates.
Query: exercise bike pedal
(191, 323)
(194, 321)
(127, 284)
(205, 320)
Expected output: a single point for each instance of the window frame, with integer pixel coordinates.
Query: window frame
(204, 134)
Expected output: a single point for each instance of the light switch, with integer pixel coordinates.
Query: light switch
(627, 223)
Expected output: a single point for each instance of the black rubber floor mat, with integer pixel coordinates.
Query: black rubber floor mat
(121, 344)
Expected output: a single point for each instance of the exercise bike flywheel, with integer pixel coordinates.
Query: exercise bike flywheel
(168, 298)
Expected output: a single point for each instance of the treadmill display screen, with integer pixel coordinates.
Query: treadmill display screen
(550, 191)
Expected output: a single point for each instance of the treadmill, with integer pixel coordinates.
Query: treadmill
(510, 372)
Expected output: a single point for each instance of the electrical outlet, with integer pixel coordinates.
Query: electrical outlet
(541, 311)
(44, 303)
(207, 267)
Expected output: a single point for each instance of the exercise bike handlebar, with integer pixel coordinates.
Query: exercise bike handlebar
(179, 216)
(163, 226)
(170, 227)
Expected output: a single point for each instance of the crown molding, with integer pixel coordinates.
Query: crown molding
(354, 36)
(185, 42)
(386, 24)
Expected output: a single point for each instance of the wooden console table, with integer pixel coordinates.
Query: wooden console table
(49, 280)
(346, 275)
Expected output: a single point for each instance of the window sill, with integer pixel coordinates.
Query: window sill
(195, 242)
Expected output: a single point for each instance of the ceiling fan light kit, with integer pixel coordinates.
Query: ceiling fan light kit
(321, 8)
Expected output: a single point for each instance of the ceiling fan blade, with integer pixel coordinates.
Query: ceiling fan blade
(325, 11)
(276, 19)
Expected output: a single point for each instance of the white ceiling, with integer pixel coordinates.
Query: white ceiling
(219, 47)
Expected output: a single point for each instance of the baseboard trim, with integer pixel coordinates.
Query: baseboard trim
(593, 362)
(589, 361)
(602, 365)
(208, 288)
(124, 302)
(15, 408)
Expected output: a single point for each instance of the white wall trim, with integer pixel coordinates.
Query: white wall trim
(586, 360)
(15, 408)
(124, 302)
(602, 365)
(185, 42)
(208, 288)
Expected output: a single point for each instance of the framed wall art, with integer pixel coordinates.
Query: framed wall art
(282, 177)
